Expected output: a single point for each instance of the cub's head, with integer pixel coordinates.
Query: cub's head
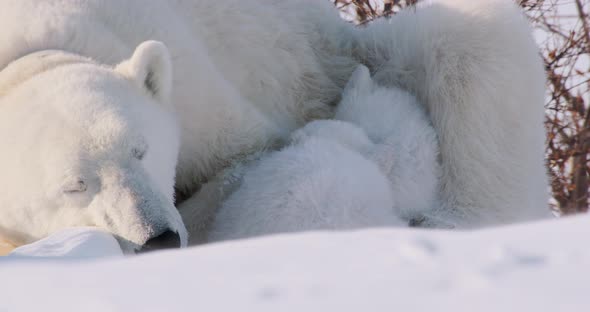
(84, 144)
(379, 110)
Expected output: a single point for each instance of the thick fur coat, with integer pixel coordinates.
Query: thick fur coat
(245, 74)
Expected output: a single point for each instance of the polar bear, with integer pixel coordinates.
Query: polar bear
(475, 69)
(245, 74)
(227, 97)
(103, 158)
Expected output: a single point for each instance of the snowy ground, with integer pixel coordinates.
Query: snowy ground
(534, 267)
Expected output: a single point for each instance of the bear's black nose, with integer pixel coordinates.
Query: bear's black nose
(166, 240)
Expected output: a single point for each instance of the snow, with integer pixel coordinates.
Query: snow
(72, 243)
(531, 267)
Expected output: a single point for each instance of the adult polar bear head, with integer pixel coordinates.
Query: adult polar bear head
(89, 145)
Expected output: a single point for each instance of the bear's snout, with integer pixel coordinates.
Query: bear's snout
(130, 206)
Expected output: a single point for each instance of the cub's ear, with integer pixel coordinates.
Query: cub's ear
(360, 80)
(150, 67)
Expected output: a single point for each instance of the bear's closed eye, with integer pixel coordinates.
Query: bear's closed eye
(78, 186)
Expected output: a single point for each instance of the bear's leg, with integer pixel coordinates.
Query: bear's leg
(198, 211)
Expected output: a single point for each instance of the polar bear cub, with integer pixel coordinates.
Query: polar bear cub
(335, 176)
(317, 184)
(406, 145)
(401, 140)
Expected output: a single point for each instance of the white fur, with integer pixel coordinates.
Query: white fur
(247, 73)
(345, 133)
(315, 185)
(231, 95)
(217, 69)
(335, 176)
(405, 144)
(476, 69)
(75, 162)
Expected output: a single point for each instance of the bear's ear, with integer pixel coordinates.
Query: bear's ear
(360, 80)
(151, 67)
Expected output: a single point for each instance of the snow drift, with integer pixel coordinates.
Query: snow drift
(535, 267)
